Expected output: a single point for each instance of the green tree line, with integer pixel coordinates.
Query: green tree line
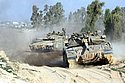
(112, 20)
(50, 15)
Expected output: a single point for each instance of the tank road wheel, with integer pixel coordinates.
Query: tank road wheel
(111, 59)
(72, 63)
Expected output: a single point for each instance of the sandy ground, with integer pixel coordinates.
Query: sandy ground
(45, 74)
(25, 73)
(60, 75)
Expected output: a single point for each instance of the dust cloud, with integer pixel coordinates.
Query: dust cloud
(15, 42)
(119, 50)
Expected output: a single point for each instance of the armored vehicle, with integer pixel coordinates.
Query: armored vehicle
(42, 45)
(53, 41)
(87, 48)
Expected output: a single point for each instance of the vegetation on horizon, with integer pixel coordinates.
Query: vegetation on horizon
(94, 11)
(50, 15)
(88, 20)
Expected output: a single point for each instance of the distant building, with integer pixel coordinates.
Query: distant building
(15, 23)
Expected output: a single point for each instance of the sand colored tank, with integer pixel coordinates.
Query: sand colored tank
(87, 48)
(52, 41)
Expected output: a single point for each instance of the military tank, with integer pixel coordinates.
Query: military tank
(42, 45)
(87, 48)
(53, 41)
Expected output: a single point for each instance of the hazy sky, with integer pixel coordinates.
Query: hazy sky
(20, 10)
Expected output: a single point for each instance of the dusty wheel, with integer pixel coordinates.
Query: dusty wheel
(72, 63)
(109, 57)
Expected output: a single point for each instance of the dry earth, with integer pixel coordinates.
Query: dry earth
(24, 73)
